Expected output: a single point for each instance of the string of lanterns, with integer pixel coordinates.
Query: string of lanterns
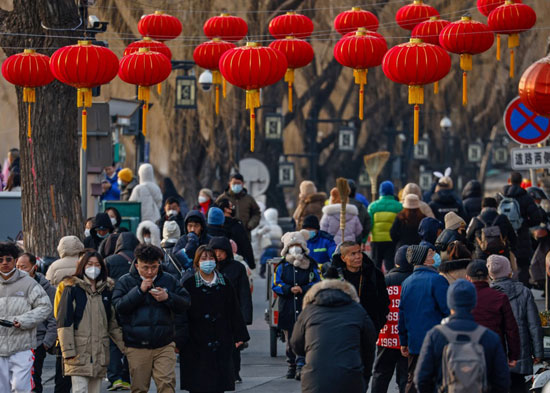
(423, 60)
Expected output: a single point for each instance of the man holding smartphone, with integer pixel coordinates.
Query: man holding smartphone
(23, 305)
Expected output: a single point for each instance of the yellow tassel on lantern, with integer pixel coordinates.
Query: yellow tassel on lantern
(159, 89)
(436, 87)
(224, 87)
(217, 99)
(29, 120)
(361, 80)
(144, 118)
(84, 129)
(465, 65)
(416, 123)
(29, 96)
(144, 94)
(416, 97)
(464, 88)
(289, 78)
(252, 102)
(217, 80)
(498, 47)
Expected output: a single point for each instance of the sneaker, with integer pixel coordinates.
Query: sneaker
(238, 379)
(116, 385)
(125, 385)
(298, 375)
(291, 373)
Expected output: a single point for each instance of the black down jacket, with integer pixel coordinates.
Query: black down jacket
(445, 201)
(145, 322)
(337, 337)
(119, 264)
(472, 195)
(190, 241)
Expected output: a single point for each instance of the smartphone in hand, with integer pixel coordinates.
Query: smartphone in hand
(6, 323)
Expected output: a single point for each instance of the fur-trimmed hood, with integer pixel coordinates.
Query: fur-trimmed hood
(320, 293)
(71, 281)
(335, 209)
(153, 229)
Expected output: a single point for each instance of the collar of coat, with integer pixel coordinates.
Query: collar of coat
(335, 209)
(200, 282)
(85, 284)
(339, 285)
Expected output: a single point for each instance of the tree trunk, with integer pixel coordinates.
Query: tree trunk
(50, 199)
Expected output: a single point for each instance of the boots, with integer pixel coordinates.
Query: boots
(262, 270)
(298, 374)
(291, 373)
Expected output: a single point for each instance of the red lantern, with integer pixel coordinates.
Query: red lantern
(411, 15)
(84, 66)
(534, 87)
(207, 55)
(466, 37)
(226, 27)
(28, 70)
(298, 53)
(291, 25)
(144, 68)
(361, 51)
(152, 45)
(252, 67)
(416, 64)
(159, 26)
(350, 21)
(487, 6)
(511, 19)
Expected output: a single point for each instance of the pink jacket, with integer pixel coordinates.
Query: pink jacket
(330, 222)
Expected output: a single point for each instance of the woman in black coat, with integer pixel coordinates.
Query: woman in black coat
(404, 230)
(216, 327)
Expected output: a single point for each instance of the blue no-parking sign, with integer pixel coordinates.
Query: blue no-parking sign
(524, 126)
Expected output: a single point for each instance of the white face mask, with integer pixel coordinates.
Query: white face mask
(8, 273)
(147, 240)
(295, 250)
(86, 232)
(120, 183)
(171, 213)
(92, 272)
(113, 221)
(143, 278)
(203, 199)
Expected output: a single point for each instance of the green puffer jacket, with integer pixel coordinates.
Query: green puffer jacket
(382, 214)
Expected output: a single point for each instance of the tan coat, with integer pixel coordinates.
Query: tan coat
(69, 248)
(86, 349)
(312, 204)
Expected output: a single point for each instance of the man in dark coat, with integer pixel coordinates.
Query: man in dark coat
(146, 300)
(493, 310)
(172, 212)
(195, 234)
(236, 273)
(119, 264)
(294, 276)
(461, 298)
(388, 357)
(236, 232)
(445, 200)
(101, 228)
(532, 217)
(472, 195)
(357, 268)
(337, 338)
(489, 217)
(364, 216)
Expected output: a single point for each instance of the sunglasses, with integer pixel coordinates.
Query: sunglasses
(7, 259)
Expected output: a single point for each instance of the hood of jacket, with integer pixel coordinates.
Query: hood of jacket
(198, 217)
(331, 293)
(271, 216)
(411, 188)
(17, 275)
(428, 229)
(510, 287)
(126, 241)
(153, 229)
(146, 174)
(472, 189)
(319, 197)
(222, 243)
(331, 210)
(69, 246)
(445, 197)
(514, 191)
(102, 220)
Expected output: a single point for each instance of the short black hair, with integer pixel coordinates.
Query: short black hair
(225, 203)
(516, 178)
(237, 176)
(347, 244)
(148, 253)
(9, 249)
(32, 258)
(489, 202)
(171, 200)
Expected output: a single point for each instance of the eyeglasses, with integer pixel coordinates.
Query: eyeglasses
(7, 259)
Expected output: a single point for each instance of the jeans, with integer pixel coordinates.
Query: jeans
(118, 364)
(388, 360)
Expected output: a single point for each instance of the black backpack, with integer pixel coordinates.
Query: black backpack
(489, 238)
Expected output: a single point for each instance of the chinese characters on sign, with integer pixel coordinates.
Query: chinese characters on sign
(532, 158)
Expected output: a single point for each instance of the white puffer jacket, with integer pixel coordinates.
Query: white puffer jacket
(22, 299)
(271, 232)
(148, 193)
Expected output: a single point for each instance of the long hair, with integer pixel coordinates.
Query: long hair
(84, 258)
(201, 250)
(411, 217)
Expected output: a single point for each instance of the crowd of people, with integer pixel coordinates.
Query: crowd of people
(446, 285)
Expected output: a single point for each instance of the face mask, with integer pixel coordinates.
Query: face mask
(92, 272)
(171, 213)
(312, 234)
(8, 273)
(207, 267)
(147, 240)
(113, 221)
(120, 183)
(102, 236)
(202, 199)
(295, 250)
(86, 232)
(437, 260)
(236, 188)
(143, 278)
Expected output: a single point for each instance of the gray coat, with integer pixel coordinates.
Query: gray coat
(46, 332)
(527, 316)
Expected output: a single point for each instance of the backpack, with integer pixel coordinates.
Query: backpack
(490, 239)
(510, 208)
(463, 362)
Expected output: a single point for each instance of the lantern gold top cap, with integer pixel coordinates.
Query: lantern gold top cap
(147, 39)
(29, 51)
(159, 12)
(291, 13)
(415, 41)
(361, 31)
(417, 2)
(216, 39)
(224, 14)
(356, 9)
(434, 17)
(143, 50)
(84, 43)
(466, 18)
(252, 44)
(289, 37)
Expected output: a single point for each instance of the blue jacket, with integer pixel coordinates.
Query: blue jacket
(113, 194)
(321, 247)
(428, 375)
(423, 305)
(427, 230)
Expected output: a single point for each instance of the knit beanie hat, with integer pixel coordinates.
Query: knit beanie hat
(208, 192)
(311, 222)
(400, 259)
(461, 296)
(171, 230)
(498, 266)
(416, 255)
(299, 238)
(215, 216)
(453, 221)
(307, 187)
(126, 175)
(386, 188)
